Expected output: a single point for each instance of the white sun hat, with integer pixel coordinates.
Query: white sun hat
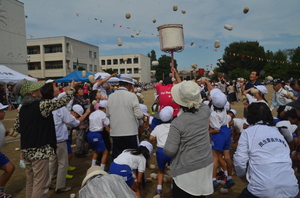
(187, 94)
(91, 172)
(126, 78)
(3, 106)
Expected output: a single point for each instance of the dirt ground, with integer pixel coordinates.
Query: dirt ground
(16, 185)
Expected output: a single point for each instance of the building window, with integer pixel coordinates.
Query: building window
(76, 66)
(95, 55)
(53, 48)
(121, 61)
(116, 71)
(136, 60)
(115, 61)
(122, 71)
(68, 47)
(136, 70)
(129, 71)
(102, 62)
(91, 68)
(34, 66)
(33, 50)
(108, 62)
(54, 64)
(129, 61)
(90, 54)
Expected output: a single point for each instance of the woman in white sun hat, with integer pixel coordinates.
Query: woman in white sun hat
(188, 143)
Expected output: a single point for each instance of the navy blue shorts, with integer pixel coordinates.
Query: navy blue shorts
(295, 135)
(154, 123)
(95, 141)
(162, 159)
(3, 159)
(68, 141)
(222, 140)
(123, 171)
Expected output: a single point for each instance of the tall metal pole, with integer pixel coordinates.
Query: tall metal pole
(172, 55)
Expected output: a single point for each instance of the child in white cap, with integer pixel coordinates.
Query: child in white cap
(160, 134)
(129, 160)
(258, 94)
(98, 121)
(78, 112)
(220, 134)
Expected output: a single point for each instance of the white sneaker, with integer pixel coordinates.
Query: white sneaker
(22, 165)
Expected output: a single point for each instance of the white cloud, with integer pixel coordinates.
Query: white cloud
(128, 45)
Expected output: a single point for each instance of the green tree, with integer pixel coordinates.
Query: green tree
(164, 69)
(81, 68)
(109, 70)
(152, 56)
(277, 65)
(239, 73)
(244, 55)
(295, 64)
(296, 56)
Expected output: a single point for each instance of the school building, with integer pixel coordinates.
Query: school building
(13, 36)
(56, 57)
(137, 65)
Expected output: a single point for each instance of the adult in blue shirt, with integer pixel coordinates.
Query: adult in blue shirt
(253, 80)
(251, 83)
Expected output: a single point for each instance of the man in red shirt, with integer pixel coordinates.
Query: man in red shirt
(164, 93)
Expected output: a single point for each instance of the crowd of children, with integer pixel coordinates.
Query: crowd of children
(191, 124)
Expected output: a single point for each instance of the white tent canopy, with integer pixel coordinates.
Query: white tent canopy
(9, 76)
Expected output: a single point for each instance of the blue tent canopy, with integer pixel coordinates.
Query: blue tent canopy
(76, 75)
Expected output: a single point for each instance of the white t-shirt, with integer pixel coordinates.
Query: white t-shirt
(161, 133)
(218, 119)
(263, 156)
(238, 124)
(2, 134)
(98, 120)
(133, 161)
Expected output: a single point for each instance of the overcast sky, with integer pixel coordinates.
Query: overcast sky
(273, 23)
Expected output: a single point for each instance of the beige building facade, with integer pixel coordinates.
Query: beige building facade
(13, 36)
(137, 65)
(56, 57)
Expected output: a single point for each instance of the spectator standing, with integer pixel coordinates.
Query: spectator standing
(188, 144)
(279, 101)
(38, 139)
(58, 163)
(123, 110)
